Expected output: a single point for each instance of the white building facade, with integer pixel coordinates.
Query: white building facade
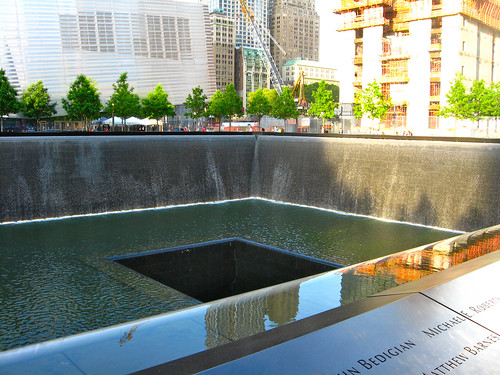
(313, 72)
(414, 49)
(154, 41)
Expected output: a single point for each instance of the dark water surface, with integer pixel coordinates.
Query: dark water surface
(55, 279)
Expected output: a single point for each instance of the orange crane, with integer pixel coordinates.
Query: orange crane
(299, 89)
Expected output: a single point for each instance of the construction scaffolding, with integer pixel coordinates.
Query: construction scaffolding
(395, 71)
(366, 13)
(488, 12)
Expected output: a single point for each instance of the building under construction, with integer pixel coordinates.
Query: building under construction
(414, 50)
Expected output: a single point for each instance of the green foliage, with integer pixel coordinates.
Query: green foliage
(471, 104)
(217, 106)
(271, 95)
(8, 98)
(36, 102)
(285, 106)
(457, 100)
(310, 89)
(225, 104)
(494, 100)
(123, 102)
(323, 105)
(478, 105)
(258, 104)
(371, 102)
(234, 102)
(196, 104)
(83, 100)
(156, 104)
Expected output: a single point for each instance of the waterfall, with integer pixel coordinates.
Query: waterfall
(453, 185)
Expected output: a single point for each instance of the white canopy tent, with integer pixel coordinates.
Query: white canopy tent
(135, 121)
(109, 121)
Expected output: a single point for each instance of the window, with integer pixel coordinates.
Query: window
(435, 89)
(435, 65)
(88, 36)
(69, 34)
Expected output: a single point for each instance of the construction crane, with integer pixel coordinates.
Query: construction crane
(298, 89)
(258, 30)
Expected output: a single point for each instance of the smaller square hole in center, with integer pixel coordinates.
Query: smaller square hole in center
(219, 269)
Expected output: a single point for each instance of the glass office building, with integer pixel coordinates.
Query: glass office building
(154, 41)
(243, 35)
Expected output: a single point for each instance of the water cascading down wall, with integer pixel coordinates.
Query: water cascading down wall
(446, 184)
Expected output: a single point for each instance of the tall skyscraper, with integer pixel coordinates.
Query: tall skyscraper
(154, 41)
(232, 8)
(295, 26)
(223, 38)
(251, 69)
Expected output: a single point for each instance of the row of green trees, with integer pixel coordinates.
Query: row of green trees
(473, 103)
(322, 99)
(260, 103)
(83, 102)
(34, 102)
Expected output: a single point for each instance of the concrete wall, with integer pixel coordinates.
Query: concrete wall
(445, 184)
(55, 176)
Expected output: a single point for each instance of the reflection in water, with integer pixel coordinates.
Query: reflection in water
(55, 279)
(241, 317)
(283, 308)
(249, 314)
(374, 276)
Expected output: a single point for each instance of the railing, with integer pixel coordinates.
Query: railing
(487, 12)
(395, 50)
(346, 5)
(395, 78)
(360, 22)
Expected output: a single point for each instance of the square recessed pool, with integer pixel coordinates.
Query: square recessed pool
(214, 270)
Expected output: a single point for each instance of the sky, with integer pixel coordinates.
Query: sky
(330, 39)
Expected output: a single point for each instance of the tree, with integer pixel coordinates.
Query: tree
(482, 101)
(36, 102)
(310, 89)
(83, 100)
(258, 104)
(323, 105)
(8, 98)
(457, 100)
(271, 95)
(156, 104)
(196, 104)
(493, 99)
(234, 104)
(371, 102)
(123, 102)
(217, 106)
(225, 104)
(285, 106)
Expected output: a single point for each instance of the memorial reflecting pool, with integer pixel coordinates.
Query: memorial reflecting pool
(55, 279)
